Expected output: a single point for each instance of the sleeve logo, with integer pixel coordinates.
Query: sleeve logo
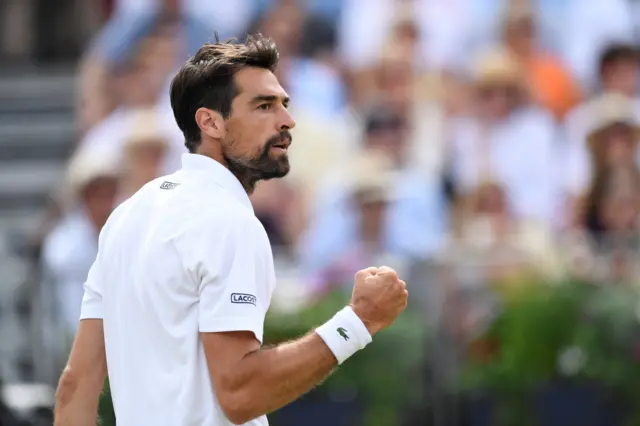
(243, 298)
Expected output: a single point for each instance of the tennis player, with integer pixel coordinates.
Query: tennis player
(175, 302)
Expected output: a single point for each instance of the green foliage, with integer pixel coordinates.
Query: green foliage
(548, 331)
(534, 325)
(106, 415)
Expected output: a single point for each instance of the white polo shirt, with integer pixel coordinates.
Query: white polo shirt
(184, 255)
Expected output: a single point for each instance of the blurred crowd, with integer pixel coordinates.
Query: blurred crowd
(496, 132)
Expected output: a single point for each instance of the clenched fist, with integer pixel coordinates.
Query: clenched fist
(379, 296)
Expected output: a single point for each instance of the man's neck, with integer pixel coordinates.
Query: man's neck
(245, 176)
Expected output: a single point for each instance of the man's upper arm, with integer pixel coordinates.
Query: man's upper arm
(224, 350)
(88, 353)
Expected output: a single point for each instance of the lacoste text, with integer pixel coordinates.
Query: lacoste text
(243, 298)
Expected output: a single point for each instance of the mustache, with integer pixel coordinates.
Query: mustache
(284, 135)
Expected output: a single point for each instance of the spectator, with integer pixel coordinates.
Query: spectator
(133, 20)
(386, 132)
(487, 230)
(506, 140)
(607, 246)
(399, 91)
(587, 28)
(619, 66)
(137, 85)
(618, 70)
(310, 78)
(150, 54)
(144, 154)
(614, 133)
(70, 249)
(552, 86)
(407, 221)
(441, 31)
(613, 203)
(134, 85)
(370, 196)
(611, 140)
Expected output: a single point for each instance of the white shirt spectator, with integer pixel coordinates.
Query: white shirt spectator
(68, 252)
(183, 256)
(519, 154)
(70, 248)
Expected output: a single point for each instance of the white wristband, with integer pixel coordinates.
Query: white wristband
(345, 334)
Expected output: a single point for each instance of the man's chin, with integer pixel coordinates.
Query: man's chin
(277, 169)
(275, 174)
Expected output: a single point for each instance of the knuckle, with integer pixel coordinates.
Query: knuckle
(389, 274)
(386, 269)
(363, 273)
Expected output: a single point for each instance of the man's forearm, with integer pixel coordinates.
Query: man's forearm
(268, 379)
(77, 400)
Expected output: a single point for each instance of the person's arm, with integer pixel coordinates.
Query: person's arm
(130, 22)
(251, 381)
(228, 254)
(83, 378)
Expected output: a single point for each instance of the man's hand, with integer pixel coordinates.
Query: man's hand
(379, 296)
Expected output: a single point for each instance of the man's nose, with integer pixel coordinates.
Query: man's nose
(287, 122)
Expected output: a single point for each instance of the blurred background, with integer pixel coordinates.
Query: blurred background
(486, 149)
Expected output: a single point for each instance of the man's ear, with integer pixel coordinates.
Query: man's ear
(211, 123)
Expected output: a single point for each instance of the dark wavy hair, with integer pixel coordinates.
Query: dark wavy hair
(207, 80)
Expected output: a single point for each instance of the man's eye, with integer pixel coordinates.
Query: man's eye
(264, 106)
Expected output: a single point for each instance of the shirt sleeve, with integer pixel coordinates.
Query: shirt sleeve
(91, 307)
(92, 299)
(233, 266)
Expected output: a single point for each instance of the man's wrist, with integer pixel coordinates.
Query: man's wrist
(344, 334)
(372, 326)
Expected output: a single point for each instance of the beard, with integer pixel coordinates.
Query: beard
(263, 166)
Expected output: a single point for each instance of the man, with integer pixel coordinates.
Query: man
(175, 301)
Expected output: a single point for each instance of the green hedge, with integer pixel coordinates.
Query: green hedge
(551, 331)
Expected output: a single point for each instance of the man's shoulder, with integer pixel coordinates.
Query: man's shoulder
(188, 205)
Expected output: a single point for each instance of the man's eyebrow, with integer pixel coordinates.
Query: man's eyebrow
(269, 98)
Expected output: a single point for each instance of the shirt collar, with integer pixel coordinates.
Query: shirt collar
(222, 175)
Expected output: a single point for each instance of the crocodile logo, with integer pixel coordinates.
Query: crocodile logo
(343, 333)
